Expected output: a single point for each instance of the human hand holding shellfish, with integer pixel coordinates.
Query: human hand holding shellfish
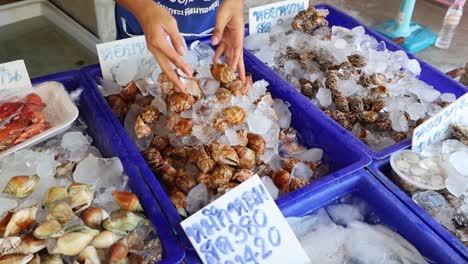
(229, 35)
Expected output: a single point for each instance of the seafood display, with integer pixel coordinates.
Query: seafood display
(371, 91)
(61, 202)
(338, 234)
(21, 120)
(436, 178)
(220, 131)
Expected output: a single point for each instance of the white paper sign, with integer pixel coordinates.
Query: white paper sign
(263, 18)
(437, 127)
(244, 226)
(131, 52)
(14, 75)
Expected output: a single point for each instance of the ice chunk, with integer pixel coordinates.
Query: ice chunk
(302, 171)
(413, 67)
(423, 91)
(358, 31)
(301, 226)
(435, 204)
(124, 72)
(6, 205)
(416, 111)
(324, 97)
(266, 54)
(312, 155)
(259, 123)
(343, 214)
(271, 187)
(284, 115)
(459, 161)
(340, 44)
(399, 121)
(203, 50)
(76, 144)
(191, 59)
(160, 104)
(99, 171)
(448, 97)
(210, 87)
(203, 133)
(450, 146)
(109, 87)
(259, 89)
(257, 41)
(197, 198)
(233, 138)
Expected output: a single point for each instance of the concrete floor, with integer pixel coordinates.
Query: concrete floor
(428, 13)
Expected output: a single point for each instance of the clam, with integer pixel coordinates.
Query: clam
(20, 221)
(264, 170)
(93, 217)
(223, 154)
(180, 102)
(4, 222)
(257, 144)
(356, 104)
(179, 199)
(61, 212)
(121, 222)
(160, 142)
(89, 255)
(234, 115)
(221, 174)
(150, 114)
(30, 245)
(129, 92)
(331, 81)
(221, 125)
(54, 194)
(50, 228)
(237, 87)
(246, 157)
(368, 116)
(127, 201)
(205, 164)
(142, 129)
(282, 179)
(184, 127)
(289, 163)
(16, 259)
(65, 170)
(297, 183)
(73, 243)
(105, 239)
(8, 244)
(167, 86)
(167, 174)
(81, 196)
(223, 95)
(21, 186)
(223, 73)
(35, 260)
(184, 182)
(242, 175)
(118, 252)
(51, 259)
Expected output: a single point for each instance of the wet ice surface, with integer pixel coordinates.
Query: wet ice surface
(419, 100)
(337, 234)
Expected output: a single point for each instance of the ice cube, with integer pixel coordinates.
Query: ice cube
(109, 87)
(340, 43)
(233, 138)
(210, 87)
(399, 121)
(358, 31)
(266, 54)
(433, 150)
(416, 111)
(203, 133)
(459, 161)
(413, 67)
(343, 214)
(450, 146)
(76, 144)
(197, 198)
(258, 123)
(275, 163)
(423, 91)
(99, 171)
(259, 89)
(302, 171)
(448, 97)
(257, 41)
(435, 204)
(324, 97)
(191, 59)
(124, 72)
(270, 186)
(284, 115)
(312, 155)
(203, 50)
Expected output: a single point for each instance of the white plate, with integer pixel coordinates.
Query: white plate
(60, 112)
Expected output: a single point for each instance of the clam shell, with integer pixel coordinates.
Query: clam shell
(234, 115)
(257, 144)
(20, 221)
(61, 212)
(16, 259)
(282, 180)
(246, 157)
(54, 194)
(89, 255)
(118, 251)
(50, 228)
(8, 244)
(73, 243)
(223, 73)
(21, 186)
(105, 239)
(93, 217)
(127, 201)
(121, 222)
(81, 196)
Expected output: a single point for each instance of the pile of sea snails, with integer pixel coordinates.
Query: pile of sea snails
(367, 89)
(215, 135)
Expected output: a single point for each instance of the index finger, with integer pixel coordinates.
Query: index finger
(166, 67)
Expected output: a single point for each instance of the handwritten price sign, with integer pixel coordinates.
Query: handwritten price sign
(244, 226)
(13, 76)
(263, 18)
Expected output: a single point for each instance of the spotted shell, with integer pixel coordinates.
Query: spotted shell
(221, 125)
(368, 116)
(242, 175)
(246, 157)
(234, 115)
(227, 186)
(160, 142)
(364, 81)
(340, 100)
(180, 102)
(152, 157)
(223, 95)
(356, 104)
(184, 182)
(204, 162)
(256, 143)
(142, 129)
(357, 60)
(331, 81)
(289, 163)
(282, 179)
(184, 127)
(222, 174)
(378, 79)
(206, 179)
(223, 73)
(378, 105)
(150, 114)
(264, 170)
(297, 183)
(167, 86)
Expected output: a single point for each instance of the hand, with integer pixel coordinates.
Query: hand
(157, 24)
(229, 35)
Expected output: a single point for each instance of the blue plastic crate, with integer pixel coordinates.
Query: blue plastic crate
(315, 132)
(429, 74)
(109, 143)
(382, 170)
(392, 212)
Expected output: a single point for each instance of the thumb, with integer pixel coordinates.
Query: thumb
(221, 22)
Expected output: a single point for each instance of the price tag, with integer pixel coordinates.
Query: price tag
(437, 128)
(263, 18)
(14, 76)
(132, 52)
(244, 226)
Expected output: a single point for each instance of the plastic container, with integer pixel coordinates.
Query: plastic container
(382, 170)
(57, 101)
(110, 145)
(315, 132)
(392, 212)
(429, 74)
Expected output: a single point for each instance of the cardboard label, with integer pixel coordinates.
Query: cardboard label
(437, 128)
(14, 75)
(132, 52)
(244, 226)
(263, 18)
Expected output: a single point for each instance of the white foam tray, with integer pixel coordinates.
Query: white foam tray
(18, 11)
(60, 112)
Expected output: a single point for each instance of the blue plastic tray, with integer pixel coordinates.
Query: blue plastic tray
(392, 212)
(308, 121)
(382, 170)
(429, 75)
(109, 143)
